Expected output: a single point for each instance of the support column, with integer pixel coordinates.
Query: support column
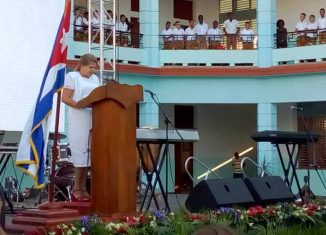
(148, 114)
(266, 23)
(267, 153)
(149, 27)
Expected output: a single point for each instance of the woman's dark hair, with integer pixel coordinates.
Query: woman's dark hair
(280, 21)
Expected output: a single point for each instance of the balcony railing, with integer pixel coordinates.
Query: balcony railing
(124, 39)
(213, 42)
(205, 50)
(304, 38)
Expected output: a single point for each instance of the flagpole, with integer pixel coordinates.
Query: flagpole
(55, 151)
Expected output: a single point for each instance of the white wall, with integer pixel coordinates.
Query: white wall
(224, 129)
(289, 10)
(24, 56)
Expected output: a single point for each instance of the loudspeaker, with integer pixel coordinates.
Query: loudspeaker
(213, 194)
(269, 189)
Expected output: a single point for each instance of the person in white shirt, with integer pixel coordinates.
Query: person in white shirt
(312, 33)
(214, 36)
(80, 26)
(201, 31)
(167, 36)
(231, 30)
(300, 28)
(178, 36)
(95, 20)
(247, 36)
(121, 30)
(190, 36)
(109, 25)
(321, 22)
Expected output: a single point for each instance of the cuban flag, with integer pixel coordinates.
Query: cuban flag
(31, 155)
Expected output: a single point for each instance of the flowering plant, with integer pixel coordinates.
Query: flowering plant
(244, 220)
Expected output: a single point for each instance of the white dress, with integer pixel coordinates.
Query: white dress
(80, 120)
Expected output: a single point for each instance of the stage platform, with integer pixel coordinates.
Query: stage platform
(176, 203)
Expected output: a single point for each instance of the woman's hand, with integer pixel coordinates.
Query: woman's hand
(67, 95)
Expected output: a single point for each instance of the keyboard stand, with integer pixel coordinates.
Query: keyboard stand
(290, 172)
(157, 162)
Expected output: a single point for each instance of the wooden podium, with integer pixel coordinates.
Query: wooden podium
(113, 147)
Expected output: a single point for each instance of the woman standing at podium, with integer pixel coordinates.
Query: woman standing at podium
(78, 85)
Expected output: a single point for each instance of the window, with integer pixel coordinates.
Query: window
(314, 121)
(243, 10)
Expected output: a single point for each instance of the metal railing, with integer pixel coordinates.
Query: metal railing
(213, 42)
(203, 165)
(254, 163)
(304, 38)
(124, 39)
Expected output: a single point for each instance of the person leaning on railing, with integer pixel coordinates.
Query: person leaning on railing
(321, 22)
(178, 36)
(247, 36)
(122, 31)
(214, 36)
(300, 28)
(190, 36)
(80, 23)
(311, 30)
(167, 36)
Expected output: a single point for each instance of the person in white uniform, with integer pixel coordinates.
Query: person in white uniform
(78, 85)
(300, 29)
(321, 22)
(247, 36)
(214, 36)
(190, 36)
(312, 31)
(201, 30)
(231, 30)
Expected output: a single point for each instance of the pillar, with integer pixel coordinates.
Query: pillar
(149, 27)
(266, 24)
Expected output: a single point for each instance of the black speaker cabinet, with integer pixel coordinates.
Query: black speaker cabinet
(213, 194)
(269, 189)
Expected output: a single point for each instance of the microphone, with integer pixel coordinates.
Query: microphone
(296, 108)
(150, 92)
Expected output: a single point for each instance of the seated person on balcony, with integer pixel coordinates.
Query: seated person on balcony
(80, 26)
(281, 34)
(231, 30)
(321, 22)
(122, 31)
(201, 30)
(108, 25)
(214, 36)
(178, 36)
(300, 28)
(312, 31)
(247, 36)
(167, 36)
(190, 36)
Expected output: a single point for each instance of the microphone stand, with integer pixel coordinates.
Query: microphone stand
(167, 121)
